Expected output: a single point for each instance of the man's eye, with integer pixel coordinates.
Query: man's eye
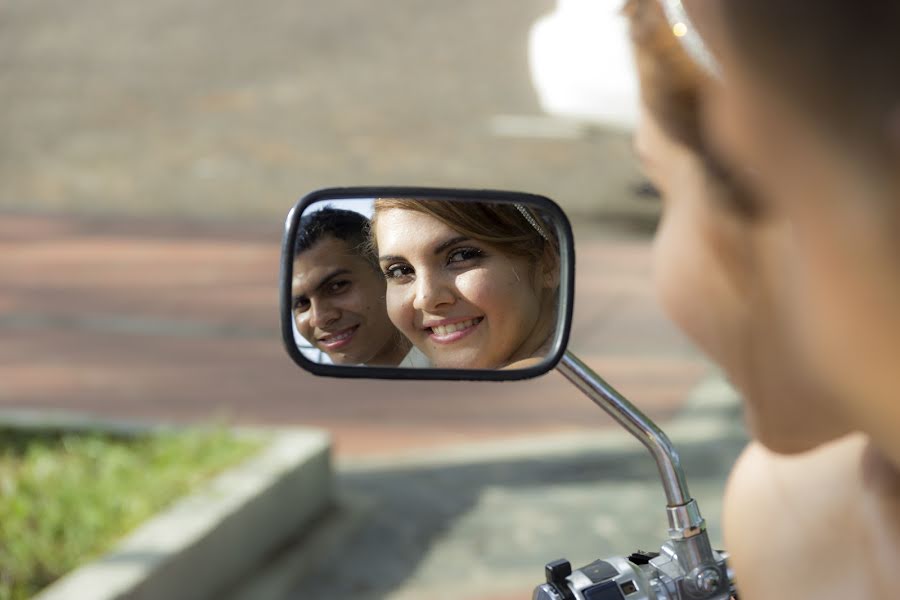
(301, 305)
(398, 271)
(464, 254)
(336, 287)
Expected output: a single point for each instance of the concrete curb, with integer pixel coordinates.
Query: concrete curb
(205, 543)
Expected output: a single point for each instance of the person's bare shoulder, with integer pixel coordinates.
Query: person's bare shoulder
(794, 523)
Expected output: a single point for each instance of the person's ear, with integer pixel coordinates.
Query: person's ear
(550, 265)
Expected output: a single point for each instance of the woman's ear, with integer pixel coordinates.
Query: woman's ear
(550, 268)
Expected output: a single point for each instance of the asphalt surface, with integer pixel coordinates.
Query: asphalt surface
(480, 521)
(222, 109)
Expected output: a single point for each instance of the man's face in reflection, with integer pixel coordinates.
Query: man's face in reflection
(338, 305)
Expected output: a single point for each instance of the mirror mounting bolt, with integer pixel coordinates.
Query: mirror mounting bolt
(707, 581)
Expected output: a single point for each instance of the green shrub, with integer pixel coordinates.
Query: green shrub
(66, 498)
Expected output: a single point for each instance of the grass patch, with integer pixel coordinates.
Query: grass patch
(66, 498)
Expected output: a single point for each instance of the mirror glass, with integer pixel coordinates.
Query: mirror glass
(419, 282)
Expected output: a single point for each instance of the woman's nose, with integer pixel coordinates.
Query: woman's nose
(432, 291)
(323, 314)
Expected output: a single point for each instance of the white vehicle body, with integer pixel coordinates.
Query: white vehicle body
(582, 64)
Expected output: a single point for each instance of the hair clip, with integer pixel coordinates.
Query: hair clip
(690, 39)
(532, 221)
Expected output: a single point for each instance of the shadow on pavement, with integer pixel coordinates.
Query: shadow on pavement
(465, 530)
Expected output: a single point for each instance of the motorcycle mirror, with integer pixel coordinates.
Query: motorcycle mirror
(426, 283)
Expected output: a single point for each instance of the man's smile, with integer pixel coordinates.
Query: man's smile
(338, 339)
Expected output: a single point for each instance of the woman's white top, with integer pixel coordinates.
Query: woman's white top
(415, 359)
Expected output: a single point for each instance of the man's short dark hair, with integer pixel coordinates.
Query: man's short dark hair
(346, 225)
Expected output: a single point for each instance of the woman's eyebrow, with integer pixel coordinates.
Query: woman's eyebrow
(438, 249)
(451, 242)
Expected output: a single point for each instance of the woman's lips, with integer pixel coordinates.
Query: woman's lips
(336, 341)
(451, 332)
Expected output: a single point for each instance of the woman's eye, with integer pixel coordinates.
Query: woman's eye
(397, 271)
(464, 254)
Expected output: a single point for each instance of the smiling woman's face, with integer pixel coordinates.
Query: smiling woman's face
(462, 302)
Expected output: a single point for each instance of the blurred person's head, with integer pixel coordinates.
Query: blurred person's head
(719, 252)
(811, 110)
(338, 291)
(471, 284)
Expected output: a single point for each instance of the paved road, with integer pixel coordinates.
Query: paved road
(179, 322)
(227, 109)
(479, 521)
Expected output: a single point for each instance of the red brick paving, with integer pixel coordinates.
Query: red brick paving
(179, 322)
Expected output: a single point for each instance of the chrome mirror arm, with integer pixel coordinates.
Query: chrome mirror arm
(635, 422)
(701, 568)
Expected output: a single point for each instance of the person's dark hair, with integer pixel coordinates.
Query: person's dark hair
(346, 225)
(672, 85)
(837, 59)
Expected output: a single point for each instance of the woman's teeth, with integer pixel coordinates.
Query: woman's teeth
(442, 330)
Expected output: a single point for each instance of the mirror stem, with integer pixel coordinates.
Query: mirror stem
(689, 543)
(633, 420)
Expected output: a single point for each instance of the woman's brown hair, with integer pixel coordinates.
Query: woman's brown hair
(514, 229)
(839, 60)
(672, 86)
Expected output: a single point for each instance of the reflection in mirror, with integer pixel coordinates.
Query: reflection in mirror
(419, 282)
